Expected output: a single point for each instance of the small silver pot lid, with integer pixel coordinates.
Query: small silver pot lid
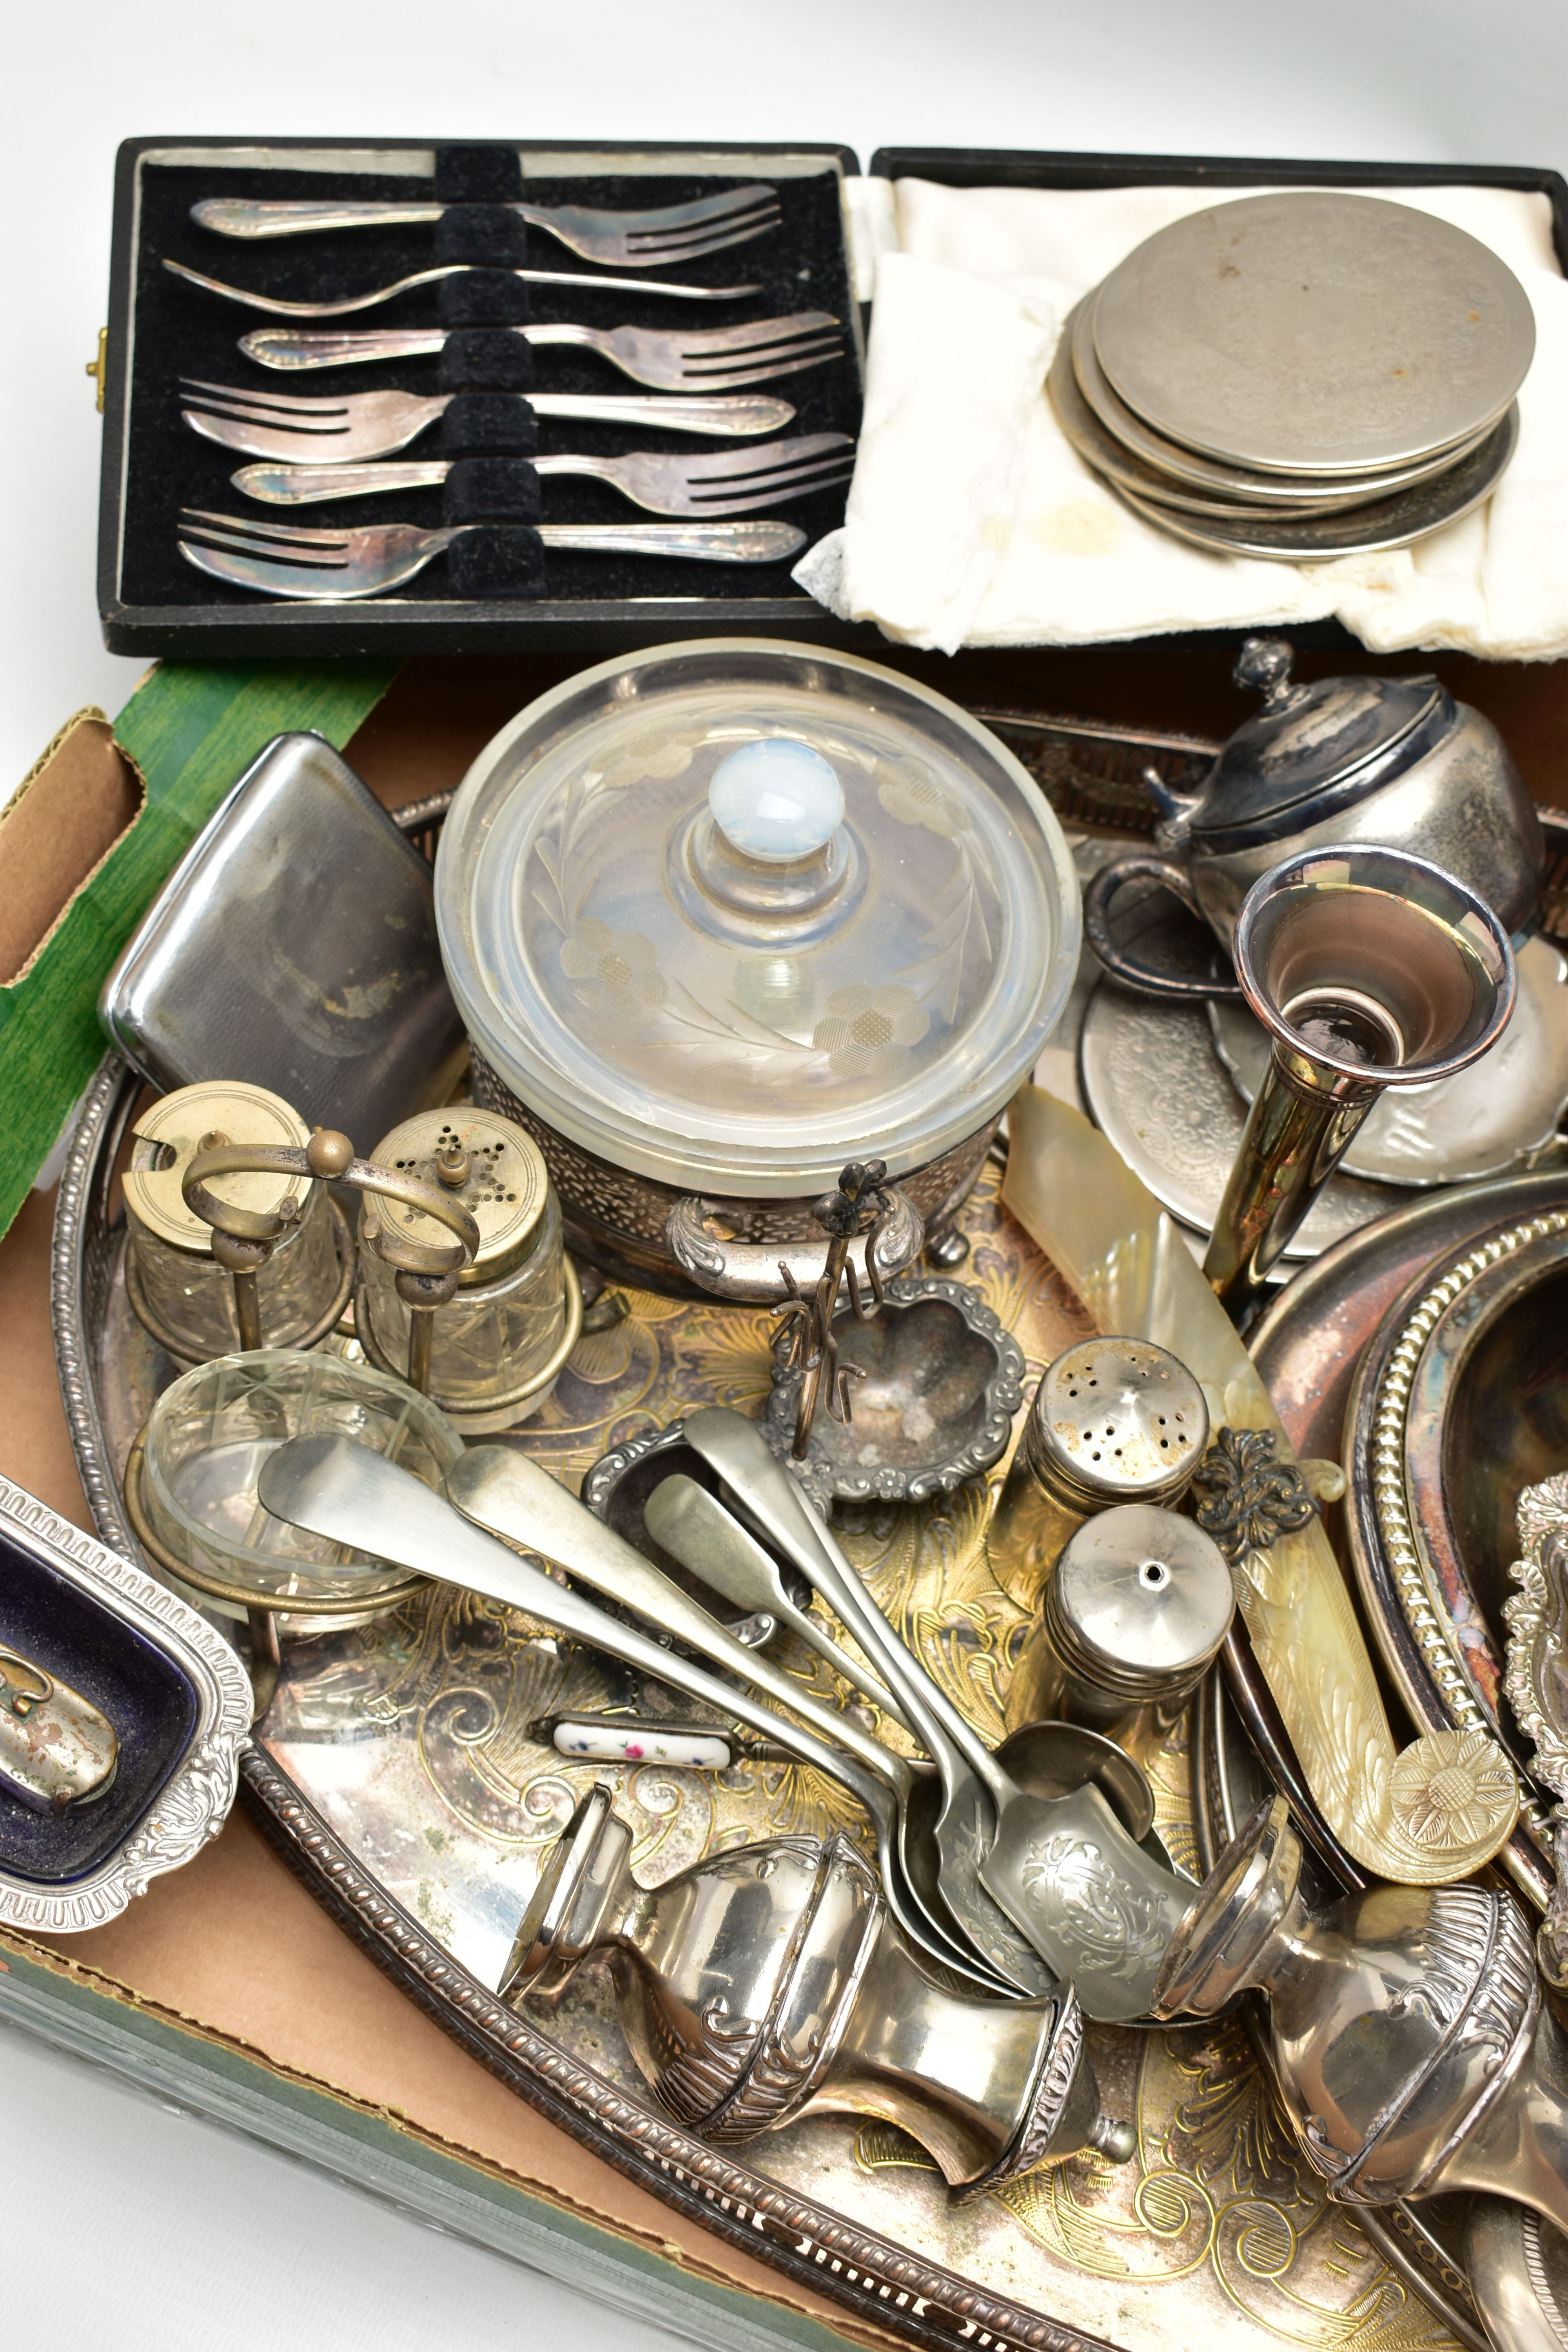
(1329, 743)
(727, 914)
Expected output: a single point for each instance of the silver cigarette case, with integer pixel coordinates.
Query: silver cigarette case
(293, 947)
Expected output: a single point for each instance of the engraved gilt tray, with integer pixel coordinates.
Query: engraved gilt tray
(395, 1770)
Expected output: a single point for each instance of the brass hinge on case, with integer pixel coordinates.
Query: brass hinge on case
(99, 366)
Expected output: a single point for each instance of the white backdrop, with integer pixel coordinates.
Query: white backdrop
(1438, 80)
(100, 2189)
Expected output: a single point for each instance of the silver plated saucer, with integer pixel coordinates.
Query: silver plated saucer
(1314, 331)
(1154, 1085)
(1166, 463)
(1495, 1117)
(1122, 462)
(1413, 513)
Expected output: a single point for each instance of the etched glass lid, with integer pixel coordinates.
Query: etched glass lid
(727, 913)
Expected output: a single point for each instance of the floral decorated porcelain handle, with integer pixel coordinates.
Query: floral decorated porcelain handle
(1424, 1815)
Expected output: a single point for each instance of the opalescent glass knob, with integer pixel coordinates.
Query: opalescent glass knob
(776, 801)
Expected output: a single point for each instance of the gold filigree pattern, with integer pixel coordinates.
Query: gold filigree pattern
(1217, 2197)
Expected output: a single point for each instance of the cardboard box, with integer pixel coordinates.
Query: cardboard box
(225, 1986)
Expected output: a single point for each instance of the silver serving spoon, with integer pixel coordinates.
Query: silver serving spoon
(951, 1822)
(516, 1498)
(349, 1495)
(695, 1529)
(1090, 1902)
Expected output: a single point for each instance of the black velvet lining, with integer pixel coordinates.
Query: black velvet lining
(481, 421)
(149, 1699)
(490, 235)
(492, 489)
(499, 558)
(483, 174)
(484, 297)
(486, 359)
(181, 330)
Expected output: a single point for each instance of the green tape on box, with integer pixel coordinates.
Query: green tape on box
(192, 728)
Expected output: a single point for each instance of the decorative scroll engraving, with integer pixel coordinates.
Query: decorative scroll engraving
(1065, 2259)
(1072, 1884)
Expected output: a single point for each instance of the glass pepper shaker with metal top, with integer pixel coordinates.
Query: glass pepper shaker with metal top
(178, 1281)
(498, 1345)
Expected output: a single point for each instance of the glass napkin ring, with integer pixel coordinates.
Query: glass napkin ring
(498, 1345)
(182, 1294)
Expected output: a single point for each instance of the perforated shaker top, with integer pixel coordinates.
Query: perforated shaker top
(1116, 1421)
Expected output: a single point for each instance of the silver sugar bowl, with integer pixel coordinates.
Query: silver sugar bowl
(767, 1982)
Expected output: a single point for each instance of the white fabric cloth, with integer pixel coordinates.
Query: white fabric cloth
(972, 520)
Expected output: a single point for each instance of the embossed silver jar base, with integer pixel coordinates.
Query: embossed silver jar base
(615, 1220)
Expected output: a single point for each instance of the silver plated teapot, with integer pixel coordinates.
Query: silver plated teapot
(1395, 761)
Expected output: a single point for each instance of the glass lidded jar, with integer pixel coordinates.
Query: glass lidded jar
(720, 917)
(181, 1294)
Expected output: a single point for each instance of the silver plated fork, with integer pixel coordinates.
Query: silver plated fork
(277, 308)
(729, 482)
(283, 559)
(706, 358)
(634, 240)
(305, 427)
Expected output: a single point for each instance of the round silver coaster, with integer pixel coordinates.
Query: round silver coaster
(1157, 1089)
(1167, 460)
(1100, 449)
(1313, 332)
(1363, 531)
(1492, 1119)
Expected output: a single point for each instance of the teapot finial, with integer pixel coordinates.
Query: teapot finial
(1263, 667)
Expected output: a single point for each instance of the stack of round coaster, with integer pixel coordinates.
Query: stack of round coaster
(1301, 375)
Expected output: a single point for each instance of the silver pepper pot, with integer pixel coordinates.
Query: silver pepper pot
(1409, 2038)
(1113, 1422)
(767, 1982)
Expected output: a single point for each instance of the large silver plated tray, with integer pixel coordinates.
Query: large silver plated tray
(1429, 1334)
(395, 1770)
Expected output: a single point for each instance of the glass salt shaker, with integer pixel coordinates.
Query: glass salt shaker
(182, 1294)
